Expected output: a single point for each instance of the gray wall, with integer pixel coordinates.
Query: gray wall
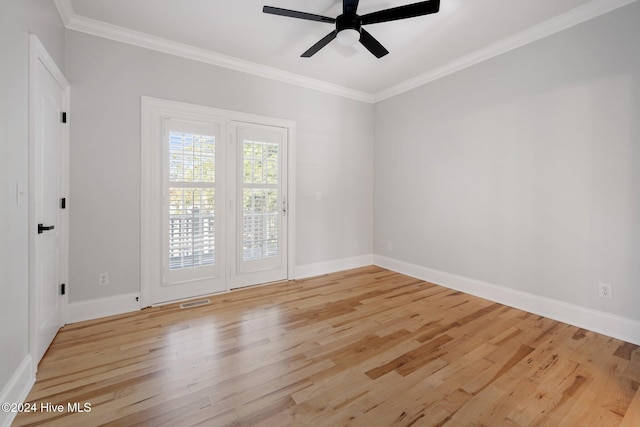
(334, 156)
(18, 18)
(522, 171)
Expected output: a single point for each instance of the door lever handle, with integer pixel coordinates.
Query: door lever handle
(42, 228)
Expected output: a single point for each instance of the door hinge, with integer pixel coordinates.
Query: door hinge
(63, 289)
(64, 117)
(63, 203)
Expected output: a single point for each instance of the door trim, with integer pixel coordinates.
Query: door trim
(38, 54)
(151, 108)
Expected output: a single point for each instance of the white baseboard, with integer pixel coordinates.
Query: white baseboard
(102, 307)
(17, 389)
(109, 306)
(597, 321)
(320, 268)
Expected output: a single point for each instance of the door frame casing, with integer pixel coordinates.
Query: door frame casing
(151, 160)
(39, 55)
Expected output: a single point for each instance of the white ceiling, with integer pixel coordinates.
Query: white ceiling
(237, 34)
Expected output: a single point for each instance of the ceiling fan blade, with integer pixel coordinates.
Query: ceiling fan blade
(402, 12)
(322, 43)
(349, 6)
(372, 44)
(295, 14)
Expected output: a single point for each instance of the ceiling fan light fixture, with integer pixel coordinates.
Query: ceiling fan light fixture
(348, 37)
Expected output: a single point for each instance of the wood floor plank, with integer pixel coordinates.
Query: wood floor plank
(364, 347)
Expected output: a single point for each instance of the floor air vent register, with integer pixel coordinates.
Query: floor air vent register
(195, 303)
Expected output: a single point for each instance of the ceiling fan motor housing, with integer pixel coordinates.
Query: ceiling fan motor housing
(348, 29)
(348, 22)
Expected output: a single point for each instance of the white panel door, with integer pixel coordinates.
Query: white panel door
(48, 169)
(259, 250)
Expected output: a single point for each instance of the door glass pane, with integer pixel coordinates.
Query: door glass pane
(191, 200)
(191, 158)
(261, 201)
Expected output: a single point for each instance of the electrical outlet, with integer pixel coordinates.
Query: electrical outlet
(356, 244)
(605, 290)
(389, 246)
(103, 279)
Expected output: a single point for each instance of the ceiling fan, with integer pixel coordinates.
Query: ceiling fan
(349, 24)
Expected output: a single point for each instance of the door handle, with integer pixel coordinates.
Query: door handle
(42, 228)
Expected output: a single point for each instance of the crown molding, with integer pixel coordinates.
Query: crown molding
(137, 38)
(544, 29)
(551, 26)
(65, 9)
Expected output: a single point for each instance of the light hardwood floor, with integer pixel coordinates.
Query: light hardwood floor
(365, 347)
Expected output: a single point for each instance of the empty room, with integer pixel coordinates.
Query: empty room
(320, 213)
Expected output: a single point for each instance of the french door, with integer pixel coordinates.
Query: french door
(194, 217)
(219, 210)
(260, 198)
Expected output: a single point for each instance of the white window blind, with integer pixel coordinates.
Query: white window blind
(191, 200)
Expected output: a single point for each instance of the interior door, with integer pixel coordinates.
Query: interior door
(49, 226)
(260, 198)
